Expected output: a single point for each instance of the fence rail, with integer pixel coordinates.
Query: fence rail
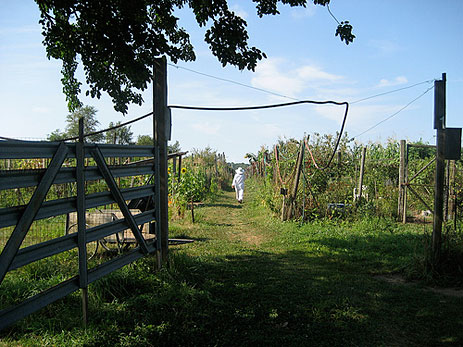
(64, 165)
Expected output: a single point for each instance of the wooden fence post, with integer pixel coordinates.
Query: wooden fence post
(161, 136)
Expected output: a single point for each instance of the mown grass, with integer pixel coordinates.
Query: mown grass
(249, 279)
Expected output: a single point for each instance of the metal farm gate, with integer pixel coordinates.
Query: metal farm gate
(77, 165)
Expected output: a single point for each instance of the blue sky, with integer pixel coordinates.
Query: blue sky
(398, 44)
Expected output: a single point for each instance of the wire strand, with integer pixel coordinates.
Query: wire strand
(111, 128)
(233, 82)
(394, 114)
(289, 97)
(391, 91)
(260, 107)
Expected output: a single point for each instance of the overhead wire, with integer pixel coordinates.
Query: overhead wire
(391, 91)
(296, 101)
(233, 82)
(289, 97)
(394, 114)
(92, 133)
(111, 128)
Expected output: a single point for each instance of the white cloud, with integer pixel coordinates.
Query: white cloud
(313, 73)
(271, 75)
(390, 83)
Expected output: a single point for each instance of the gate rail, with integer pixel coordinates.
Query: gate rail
(21, 217)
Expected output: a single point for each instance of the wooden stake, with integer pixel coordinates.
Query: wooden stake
(292, 197)
(362, 169)
(400, 205)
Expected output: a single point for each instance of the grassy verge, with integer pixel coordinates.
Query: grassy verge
(251, 279)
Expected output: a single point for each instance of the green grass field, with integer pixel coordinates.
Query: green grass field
(249, 279)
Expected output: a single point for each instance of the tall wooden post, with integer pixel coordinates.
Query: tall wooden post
(161, 136)
(362, 169)
(439, 125)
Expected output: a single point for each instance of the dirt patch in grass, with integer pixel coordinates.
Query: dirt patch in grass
(252, 239)
(456, 292)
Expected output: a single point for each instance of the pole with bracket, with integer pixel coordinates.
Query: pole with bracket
(439, 125)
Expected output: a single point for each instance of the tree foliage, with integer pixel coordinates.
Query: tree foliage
(117, 41)
(147, 140)
(88, 113)
(122, 135)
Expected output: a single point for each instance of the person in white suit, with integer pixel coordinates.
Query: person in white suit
(238, 184)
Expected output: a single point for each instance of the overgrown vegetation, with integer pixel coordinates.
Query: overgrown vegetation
(203, 174)
(320, 186)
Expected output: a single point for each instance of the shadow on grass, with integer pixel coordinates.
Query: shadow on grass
(392, 251)
(295, 298)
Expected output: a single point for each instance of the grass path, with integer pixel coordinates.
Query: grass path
(277, 283)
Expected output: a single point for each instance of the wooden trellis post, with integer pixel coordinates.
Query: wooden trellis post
(362, 169)
(401, 212)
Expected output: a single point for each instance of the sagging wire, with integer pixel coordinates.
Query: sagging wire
(247, 108)
(109, 129)
(289, 97)
(92, 133)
